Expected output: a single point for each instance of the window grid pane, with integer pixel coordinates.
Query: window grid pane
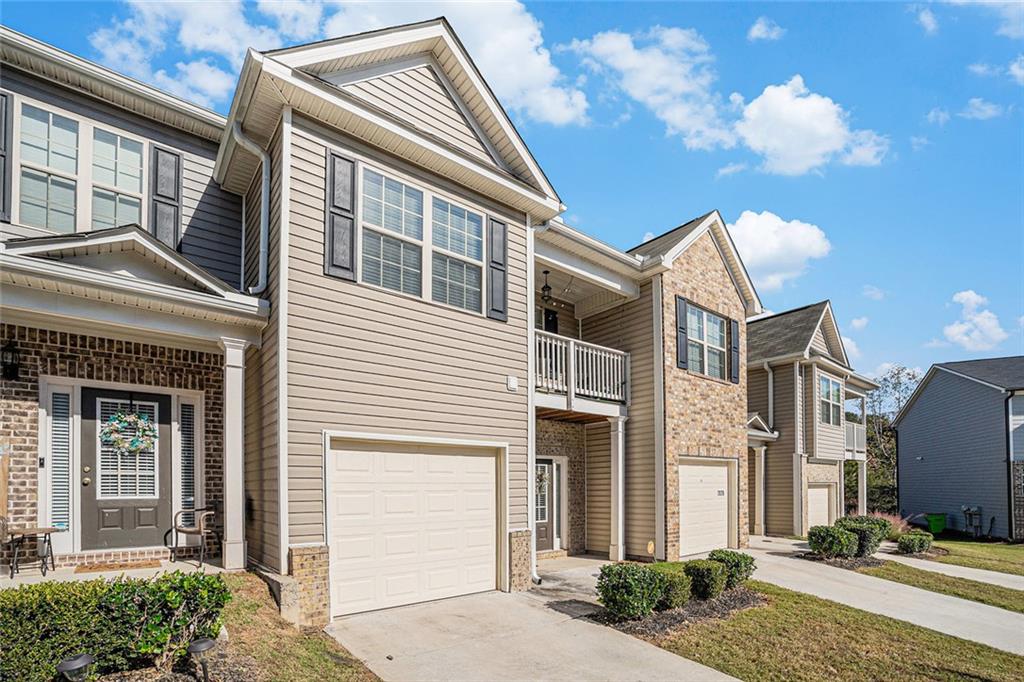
(457, 230)
(49, 139)
(695, 323)
(715, 331)
(456, 283)
(391, 263)
(392, 205)
(47, 201)
(716, 363)
(114, 210)
(695, 356)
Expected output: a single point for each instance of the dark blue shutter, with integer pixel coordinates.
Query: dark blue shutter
(497, 270)
(734, 351)
(6, 126)
(681, 355)
(165, 204)
(340, 218)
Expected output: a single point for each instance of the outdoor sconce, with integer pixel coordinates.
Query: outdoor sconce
(10, 361)
(77, 667)
(200, 651)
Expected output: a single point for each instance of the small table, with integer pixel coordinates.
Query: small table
(17, 536)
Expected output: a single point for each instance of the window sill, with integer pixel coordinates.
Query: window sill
(724, 382)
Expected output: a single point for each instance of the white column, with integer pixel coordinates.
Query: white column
(759, 491)
(233, 556)
(617, 550)
(862, 487)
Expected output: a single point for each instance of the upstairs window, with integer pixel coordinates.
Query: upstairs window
(831, 401)
(457, 279)
(117, 180)
(392, 253)
(706, 342)
(49, 168)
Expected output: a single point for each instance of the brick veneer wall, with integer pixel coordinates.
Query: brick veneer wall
(565, 439)
(78, 356)
(519, 560)
(311, 569)
(704, 417)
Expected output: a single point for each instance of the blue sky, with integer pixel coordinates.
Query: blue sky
(872, 154)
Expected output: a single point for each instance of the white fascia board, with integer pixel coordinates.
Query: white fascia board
(596, 274)
(247, 79)
(754, 434)
(828, 309)
(625, 261)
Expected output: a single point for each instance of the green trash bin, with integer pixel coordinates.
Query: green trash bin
(936, 523)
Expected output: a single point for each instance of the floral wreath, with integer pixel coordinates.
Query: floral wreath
(129, 432)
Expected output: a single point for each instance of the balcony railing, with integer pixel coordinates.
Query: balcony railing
(856, 437)
(581, 370)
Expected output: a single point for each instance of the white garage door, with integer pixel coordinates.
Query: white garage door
(409, 524)
(817, 505)
(704, 501)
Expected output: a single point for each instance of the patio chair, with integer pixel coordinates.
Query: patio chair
(14, 538)
(202, 522)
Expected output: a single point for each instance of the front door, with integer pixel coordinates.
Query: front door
(545, 520)
(126, 496)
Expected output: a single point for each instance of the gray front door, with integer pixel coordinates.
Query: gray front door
(126, 497)
(545, 521)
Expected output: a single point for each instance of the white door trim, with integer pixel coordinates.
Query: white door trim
(561, 497)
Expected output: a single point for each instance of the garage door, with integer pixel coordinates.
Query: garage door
(409, 524)
(817, 505)
(704, 501)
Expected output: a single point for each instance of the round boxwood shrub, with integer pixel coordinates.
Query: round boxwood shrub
(707, 578)
(677, 585)
(630, 590)
(738, 566)
(870, 532)
(832, 542)
(914, 542)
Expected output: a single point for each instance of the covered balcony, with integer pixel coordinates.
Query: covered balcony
(577, 376)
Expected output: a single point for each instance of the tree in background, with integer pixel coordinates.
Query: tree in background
(896, 386)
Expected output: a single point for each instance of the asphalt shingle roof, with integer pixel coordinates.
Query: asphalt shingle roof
(783, 333)
(662, 244)
(1007, 373)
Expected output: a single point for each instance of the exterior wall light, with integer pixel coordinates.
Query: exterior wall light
(77, 667)
(10, 361)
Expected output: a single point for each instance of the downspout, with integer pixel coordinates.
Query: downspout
(241, 269)
(771, 395)
(248, 144)
(1009, 468)
(531, 448)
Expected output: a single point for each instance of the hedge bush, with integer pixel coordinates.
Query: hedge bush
(915, 542)
(870, 531)
(707, 578)
(677, 589)
(832, 542)
(630, 590)
(125, 623)
(738, 566)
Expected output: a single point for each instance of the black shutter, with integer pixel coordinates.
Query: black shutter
(681, 355)
(165, 207)
(340, 218)
(497, 271)
(734, 351)
(6, 126)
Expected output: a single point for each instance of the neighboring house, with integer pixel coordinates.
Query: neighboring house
(364, 333)
(802, 432)
(960, 446)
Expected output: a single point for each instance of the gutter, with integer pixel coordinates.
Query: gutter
(248, 144)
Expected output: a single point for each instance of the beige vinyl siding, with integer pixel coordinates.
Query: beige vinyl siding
(831, 440)
(757, 392)
(598, 487)
(809, 416)
(779, 457)
(752, 491)
(818, 341)
(568, 325)
(367, 360)
(261, 383)
(630, 327)
(417, 97)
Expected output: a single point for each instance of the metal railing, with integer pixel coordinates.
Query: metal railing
(580, 369)
(856, 437)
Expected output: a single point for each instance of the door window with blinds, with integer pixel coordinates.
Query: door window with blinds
(126, 474)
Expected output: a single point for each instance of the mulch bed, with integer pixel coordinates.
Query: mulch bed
(661, 623)
(851, 564)
(224, 666)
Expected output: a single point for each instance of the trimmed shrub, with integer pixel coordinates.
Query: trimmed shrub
(630, 590)
(707, 578)
(126, 623)
(915, 542)
(738, 566)
(870, 532)
(832, 542)
(677, 585)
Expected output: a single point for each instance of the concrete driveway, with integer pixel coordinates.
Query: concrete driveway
(535, 635)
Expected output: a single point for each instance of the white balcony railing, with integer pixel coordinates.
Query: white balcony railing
(856, 437)
(579, 369)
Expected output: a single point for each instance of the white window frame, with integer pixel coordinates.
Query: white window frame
(83, 179)
(468, 260)
(113, 189)
(822, 377)
(705, 344)
(426, 243)
(45, 169)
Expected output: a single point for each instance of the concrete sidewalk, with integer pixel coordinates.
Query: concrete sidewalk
(778, 563)
(1014, 582)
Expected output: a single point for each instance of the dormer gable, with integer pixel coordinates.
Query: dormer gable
(827, 339)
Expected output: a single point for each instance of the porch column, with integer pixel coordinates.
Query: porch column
(233, 555)
(617, 550)
(862, 487)
(759, 492)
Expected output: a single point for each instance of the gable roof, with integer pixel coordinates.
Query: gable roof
(783, 333)
(1006, 373)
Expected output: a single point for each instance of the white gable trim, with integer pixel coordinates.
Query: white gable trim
(835, 328)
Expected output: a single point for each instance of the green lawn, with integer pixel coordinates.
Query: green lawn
(993, 595)
(800, 637)
(284, 652)
(990, 556)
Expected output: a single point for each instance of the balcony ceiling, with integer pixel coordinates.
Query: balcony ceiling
(565, 287)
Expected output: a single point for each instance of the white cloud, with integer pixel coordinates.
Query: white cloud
(981, 110)
(648, 236)
(982, 69)
(776, 250)
(730, 169)
(1016, 69)
(919, 142)
(668, 70)
(937, 343)
(852, 349)
(765, 29)
(796, 131)
(1011, 15)
(977, 328)
(301, 20)
(859, 323)
(938, 116)
(926, 18)
(872, 292)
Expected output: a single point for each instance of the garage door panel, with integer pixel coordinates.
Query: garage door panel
(704, 500)
(818, 504)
